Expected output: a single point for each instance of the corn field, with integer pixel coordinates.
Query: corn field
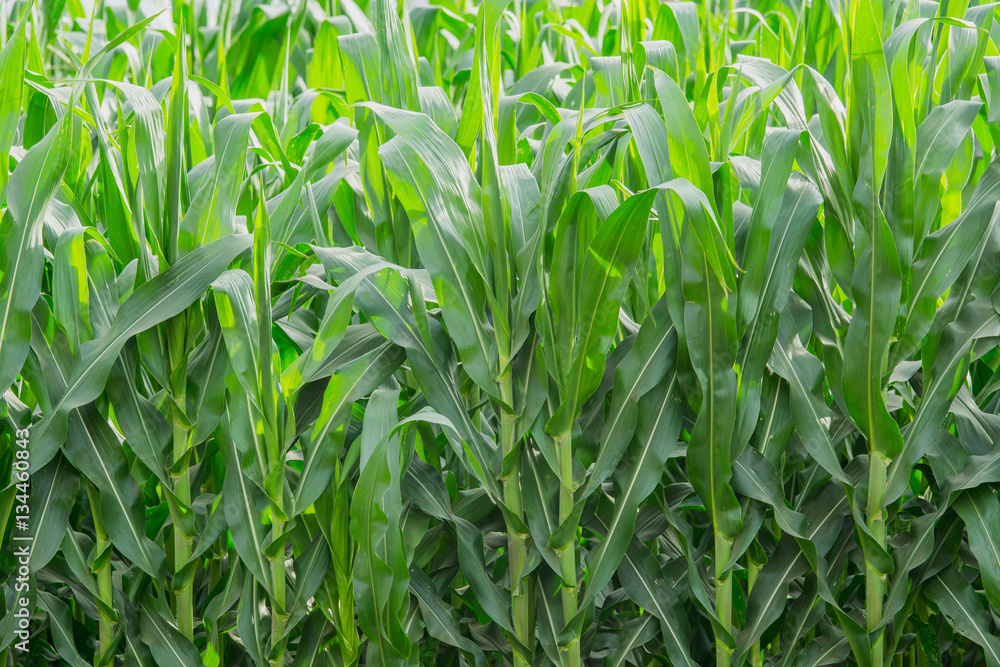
(533, 332)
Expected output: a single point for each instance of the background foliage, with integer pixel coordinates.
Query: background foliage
(529, 332)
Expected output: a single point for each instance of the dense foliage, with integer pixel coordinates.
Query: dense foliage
(524, 333)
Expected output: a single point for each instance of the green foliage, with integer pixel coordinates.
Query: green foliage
(514, 333)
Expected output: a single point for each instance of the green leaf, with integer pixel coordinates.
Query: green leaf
(446, 224)
(942, 381)
(957, 601)
(440, 623)
(32, 186)
(810, 414)
(91, 446)
(656, 436)
(379, 569)
(782, 218)
(607, 272)
(53, 494)
(634, 633)
(643, 579)
(144, 426)
(349, 383)
(211, 214)
(710, 323)
(61, 621)
(244, 504)
(252, 622)
(236, 308)
(943, 256)
(155, 301)
(11, 86)
(646, 364)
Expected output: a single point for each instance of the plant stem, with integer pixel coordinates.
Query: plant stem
(278, 608)
(216, 639)
(273, 429)
(278, 584)
(342, 552)
(278, 612)
(522, 592)
(182, 544)
(753, 571)
(106, 625)
(874, 581)
(567, 556)
(348, 633)
(184, 598)
(723, 596)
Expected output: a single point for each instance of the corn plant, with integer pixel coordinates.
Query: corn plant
(377, 333)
